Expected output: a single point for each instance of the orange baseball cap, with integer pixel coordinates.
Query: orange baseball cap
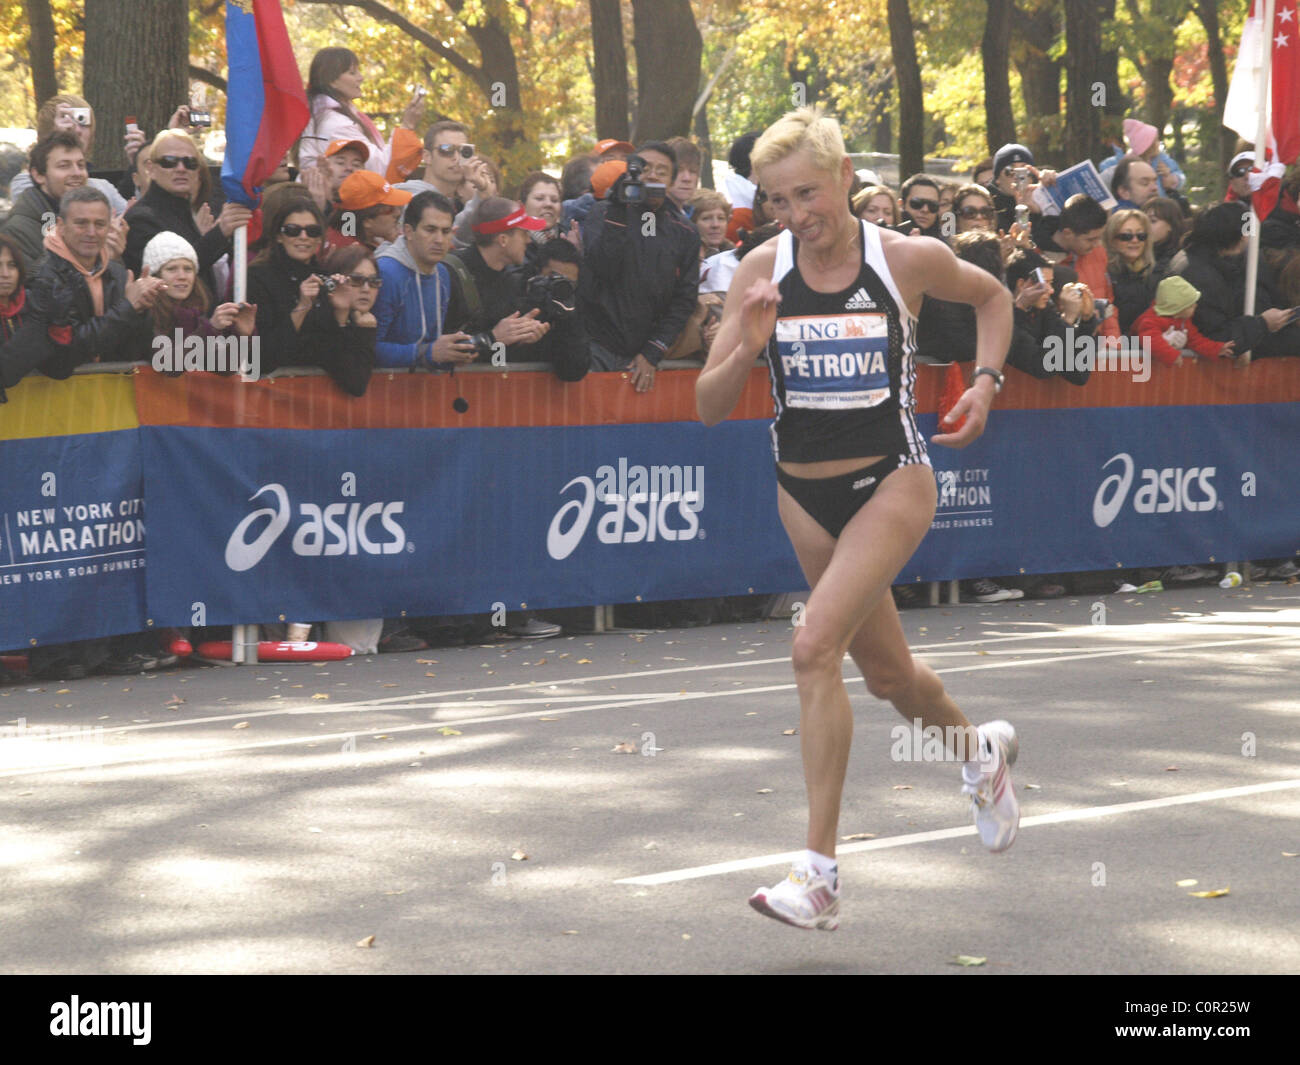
(365, 188)
(609, 145)
(605, 175)
(338, 146)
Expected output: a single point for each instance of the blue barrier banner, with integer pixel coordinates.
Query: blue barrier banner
(72, 538)
(1047, 491)
(313, 524)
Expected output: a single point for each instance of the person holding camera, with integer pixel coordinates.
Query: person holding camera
(641, 271)
(283, 282)
(1015, 180)
(67, 113)
(490, 307)
(1037, 320)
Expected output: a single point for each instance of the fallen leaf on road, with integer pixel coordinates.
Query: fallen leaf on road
(426, 661)
(978, 652)
(242, 724)
(388, 685)
(548, 719)
(790, 732)
(1187, 883)
(1290, 854)
(447, 730)
(428, 674)
(651, 846)
(967, 959)
(1034, 787)
(175, 700)
(320, 695)
(902, 787)
(571, 932)
(584, 661)
(624, 748)
(686, 935)
(63, 691)
(857, 835)
(519, 856)
(764, 791)
(315, 830)
(369, 941)
(402, 892)
(1171, 769)
(1216, 893)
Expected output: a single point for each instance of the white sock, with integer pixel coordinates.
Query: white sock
(821, 865)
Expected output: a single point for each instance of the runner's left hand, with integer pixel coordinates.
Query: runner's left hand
(974, 404)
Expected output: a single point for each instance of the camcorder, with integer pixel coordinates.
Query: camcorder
(631, 191)
(553, 296)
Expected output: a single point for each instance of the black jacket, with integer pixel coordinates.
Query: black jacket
(64, 312)
(1029, 340)
(23, 344)
(345, 352)
(1134, 293)
(500, 294)
(273, 289)
(160, 211)
(638, 286)
(945, 331)
(25, 225)
(1221, 281)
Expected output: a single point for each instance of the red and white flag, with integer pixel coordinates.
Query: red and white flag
(1277, 52)
(1241, 110)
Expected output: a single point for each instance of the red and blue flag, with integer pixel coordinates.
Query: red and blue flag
(266, 105)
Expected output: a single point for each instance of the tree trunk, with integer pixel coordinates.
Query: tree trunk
(1085, 91)
(1108, 65)
(668, 53)
(1040, 76)
(1208, 12)
(609, 74)
(137, 63)
(911, 101)
(995, 50)
(705, 140)
(45, 81)
(1160, 92)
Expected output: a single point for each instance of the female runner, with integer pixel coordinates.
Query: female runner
(833, 302)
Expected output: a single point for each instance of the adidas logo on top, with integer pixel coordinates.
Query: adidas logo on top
(860, 301)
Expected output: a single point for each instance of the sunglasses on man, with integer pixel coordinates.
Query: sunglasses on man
(977, 212)
(466, 150)
(923, 205)
(170, 162)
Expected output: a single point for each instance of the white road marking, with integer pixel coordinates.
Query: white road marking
(1061, 817)
(189, 754)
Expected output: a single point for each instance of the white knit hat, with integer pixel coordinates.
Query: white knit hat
(164, 248)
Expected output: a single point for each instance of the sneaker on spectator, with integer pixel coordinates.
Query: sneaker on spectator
(1183, 574)
(137, 662)
(398, 642)
(534, 629)
(906, 595)
(987, 591)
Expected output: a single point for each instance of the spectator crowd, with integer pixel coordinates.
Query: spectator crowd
(405, 253)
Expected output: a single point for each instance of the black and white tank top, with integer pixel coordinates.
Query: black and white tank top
(843, 379)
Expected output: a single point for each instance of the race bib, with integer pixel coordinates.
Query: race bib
(834, 362)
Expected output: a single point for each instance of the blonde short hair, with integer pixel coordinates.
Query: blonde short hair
(172, 134)
(808, 128)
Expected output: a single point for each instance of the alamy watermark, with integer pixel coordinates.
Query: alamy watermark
(1083, 352)
(208, 354)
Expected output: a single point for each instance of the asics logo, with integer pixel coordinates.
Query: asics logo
(1161, 491)
(333, 529)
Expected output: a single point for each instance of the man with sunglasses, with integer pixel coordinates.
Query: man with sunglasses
(168, 206)
(920, 202)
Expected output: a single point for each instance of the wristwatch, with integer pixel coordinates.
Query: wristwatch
(997, 377)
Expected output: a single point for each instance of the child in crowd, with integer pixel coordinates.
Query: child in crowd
(172, 258)
(1167, 323)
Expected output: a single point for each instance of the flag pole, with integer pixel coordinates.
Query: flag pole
(1261, 146)
(239, 254)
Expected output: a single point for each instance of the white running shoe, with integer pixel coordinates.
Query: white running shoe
(805, 899)
(993, 797)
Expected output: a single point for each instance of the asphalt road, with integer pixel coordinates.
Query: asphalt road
(269, 819)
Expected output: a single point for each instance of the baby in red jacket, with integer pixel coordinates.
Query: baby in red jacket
(1167, 324)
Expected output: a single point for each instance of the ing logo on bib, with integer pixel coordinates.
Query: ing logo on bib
(834, 361)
